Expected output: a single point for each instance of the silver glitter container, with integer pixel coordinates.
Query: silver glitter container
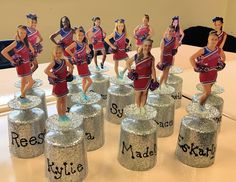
(65, 150)
(177, 83)
(93, 120)
(120, 95)
(26, 129)
(138, 140)
(197, 141)
(36, 91)
(165, 108)
(74, 88)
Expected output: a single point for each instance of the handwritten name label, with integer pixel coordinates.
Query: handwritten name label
(89, 136)
(176, 95)
(195, 150)
(146, 152)
(65, 169)
(24, 142)
(164, 124)
(116, 111)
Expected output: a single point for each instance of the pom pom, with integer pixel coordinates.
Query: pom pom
(153, 85)
(132, 75)
(220, 65)
(201, 68)
(17, 60)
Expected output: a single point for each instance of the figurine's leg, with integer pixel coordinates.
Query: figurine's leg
(26, 84)
(63, 105)
(23, 84)
(59, 106)
(95, 58)
(116, 68)
(164, 75)
(34, 65)
(104, 56)
(206, 93)
(138, 95)
(144, 98)
(83, 84)
(88, 82)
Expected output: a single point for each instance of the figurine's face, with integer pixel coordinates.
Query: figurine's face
(213, 40)
(80, 36)
(147, 46)
(175, 23)
(218, 25)
(21, 33)
(65, 23)
(97, 22)
(171, 32)
(32, 23)
(145, 21)
(58, 53)
(120, 26)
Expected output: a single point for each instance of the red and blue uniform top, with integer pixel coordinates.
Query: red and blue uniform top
(141, 34)
(120, 43)
(169, 45)
(33, 35)
(98, 38)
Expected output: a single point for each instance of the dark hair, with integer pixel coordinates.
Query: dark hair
(95, 18)
(217, 18)
(81, 29)
(32, 16)
(67, 19)
(25, 41)
(171, 27)
(177, 27)
(146, 16)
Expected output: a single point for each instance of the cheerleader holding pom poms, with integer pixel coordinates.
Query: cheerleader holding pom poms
(168, 46)
(34, 38)
(66, 33)
(142, 32)
(208, 61)
(120, 45)
(144, 75)
(21, 60)
(96, 36)
(57, 74)
(218, 26)
(79, 58)
(178, 33)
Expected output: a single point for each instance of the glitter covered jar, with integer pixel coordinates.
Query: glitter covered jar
(26, 128)
(119, 96)
(138, 139)
(93, 119)
(65, 150)
(74, 88)
(165, 107)
(197, 141)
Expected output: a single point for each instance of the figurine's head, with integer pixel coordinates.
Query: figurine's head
(120, 25)
(213, 38)
(146, 19)
(96, 21)
(175, 21)
(80, 34)
(32, 20)
(65, 22)
(170, 31)
(22, 34)
(147, 45)
(57, 52)
(218, 23)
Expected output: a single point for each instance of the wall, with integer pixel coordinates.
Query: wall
(199, 12)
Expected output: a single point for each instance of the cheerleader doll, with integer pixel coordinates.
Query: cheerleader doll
(119, 46)
(34, 38)
(96, 36)
(207, 61)
(21, 60)
(168, 50)
(218, 26)
(142, 32)
(57, 73)
(79, 58)
(178, 34)
(144, 74)
(66, 33)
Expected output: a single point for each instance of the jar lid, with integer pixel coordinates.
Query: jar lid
(17, 105)
(37, 83)
(92, 98)
(158, 100)
(124, 81)
(215, 89)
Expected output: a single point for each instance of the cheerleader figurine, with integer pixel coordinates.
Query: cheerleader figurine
(178, 34)
(57, 73)
(96, 36)
(21, 60)
(168, 50)
(79, 58)
(218, 26)
(34, 38)
(207, 61)
(66, 33)
(142, 32)
(120, 45)
(144, 75)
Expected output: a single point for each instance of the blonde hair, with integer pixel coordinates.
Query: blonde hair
(116, 26)
(140, 50)
(56, 48)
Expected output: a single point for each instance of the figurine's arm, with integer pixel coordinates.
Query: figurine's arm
(53, 36)
(182, 35)
(48, 70)
(222, 55)
(135, 30)
(40, 38)
(151, 32)
(223, 42)
(89, 35)
(88, 50)
(69, 48)
(31, 48)
(5, 51)
(70, 66)
(129, 63)
(107, 40)
(195, 56)
(162, 49)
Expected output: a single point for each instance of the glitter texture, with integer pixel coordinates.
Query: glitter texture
(93, 69)
(197, 141)
(216, 89)
(164, 90)
(37, 83)
(16, 105)
(165, 108)
(93, 98)
(176, 70)
(124, 81)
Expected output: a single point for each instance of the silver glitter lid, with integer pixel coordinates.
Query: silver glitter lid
(159, 100)
(76, 80)
(93, 98)
(124, 81)
(53, 123)
(176, 70)
(132, 111)
(164, 90)
(216, 89)
(94, 70)
(206, 111)
(16, 105)
(37, 83)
